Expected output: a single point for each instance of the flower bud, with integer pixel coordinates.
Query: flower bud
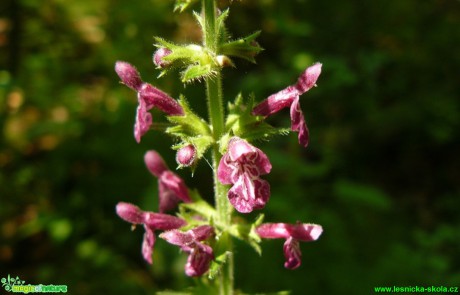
(158, 57)
(186, 155)
(128, 75)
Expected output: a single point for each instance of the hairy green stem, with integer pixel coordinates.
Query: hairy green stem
(216, 116)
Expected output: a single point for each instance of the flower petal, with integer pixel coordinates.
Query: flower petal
(202, 232)
(248, 194)
(155, 163)
(154, 97)
(178, 238)
(168, 200)
(225, 170)
(276, 102)
(308, 78)
(176, 185)
(305, 232)
(300, 231)
(262, 193)
(143, 121)
(199, 260)
(292, 253)
(130, 213)
(128, 74)
(159, 221)
(147, 244)
(298, 123)
(239, 148)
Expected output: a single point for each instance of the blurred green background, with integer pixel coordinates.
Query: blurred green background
(381, 174)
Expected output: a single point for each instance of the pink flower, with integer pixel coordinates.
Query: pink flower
(293, 233)
(148, 97)
(290, 97)
(200, 254)
(172, 188)
(151, 221)
(241, 166)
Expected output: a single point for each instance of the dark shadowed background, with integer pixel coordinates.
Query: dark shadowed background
(381, 174)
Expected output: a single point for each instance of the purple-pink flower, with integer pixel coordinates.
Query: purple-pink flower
(151, 221)
(242, 166)
(172, 188)
(293, 233)
(148, 97)
(289, 97)
(200, 254)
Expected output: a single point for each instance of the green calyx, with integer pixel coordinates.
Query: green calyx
(240, 122)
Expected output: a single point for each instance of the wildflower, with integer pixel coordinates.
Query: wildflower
(186, 155)
(151, 221)
(148, 97)
(293, 233)
(172, 188)
(200, 254)
(290, 97)
(241, 166)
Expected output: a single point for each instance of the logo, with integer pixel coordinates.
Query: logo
(16, 285)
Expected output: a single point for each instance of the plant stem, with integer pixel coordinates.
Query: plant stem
(216, 116)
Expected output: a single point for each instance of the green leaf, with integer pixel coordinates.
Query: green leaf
(197, 72)
(221, 29)
(246, 48)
